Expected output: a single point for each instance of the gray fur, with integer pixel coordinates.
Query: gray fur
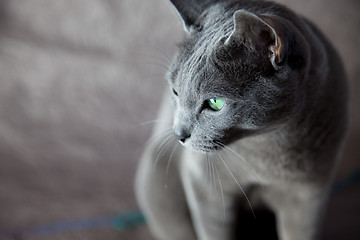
(275, 142)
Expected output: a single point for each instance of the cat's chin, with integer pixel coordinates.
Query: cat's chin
(202, 148)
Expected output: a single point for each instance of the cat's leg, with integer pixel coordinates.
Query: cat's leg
(162, 200)
(298, 210)
(212, 207)
(158, 186)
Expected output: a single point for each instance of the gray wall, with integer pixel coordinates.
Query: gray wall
(77, 80)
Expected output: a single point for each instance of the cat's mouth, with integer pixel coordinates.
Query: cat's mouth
(205, 147)
(211, 144)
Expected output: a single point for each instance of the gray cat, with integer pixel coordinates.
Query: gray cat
(258, 103)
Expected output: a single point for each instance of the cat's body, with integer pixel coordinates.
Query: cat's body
(272, 140)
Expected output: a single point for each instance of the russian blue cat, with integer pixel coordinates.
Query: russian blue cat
(254, 118)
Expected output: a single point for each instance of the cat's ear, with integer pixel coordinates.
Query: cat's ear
(260, 32)
(190, 10)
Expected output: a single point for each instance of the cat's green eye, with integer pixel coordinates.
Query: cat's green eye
(216, 103)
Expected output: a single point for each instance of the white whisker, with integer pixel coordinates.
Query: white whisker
(210, 172)
(213, 173)
(242, 190)
(161, 60)
(159, 51)
(161, 64)
(164, 145)
(154, 121)
(169, 162)
(221, 189)
(156, 76)
(158, 135)
(153, 57)
(205, 179)
(243, 160)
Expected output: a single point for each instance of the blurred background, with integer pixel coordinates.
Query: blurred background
(78, 80)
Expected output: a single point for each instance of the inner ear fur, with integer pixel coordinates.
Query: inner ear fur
(279, 48)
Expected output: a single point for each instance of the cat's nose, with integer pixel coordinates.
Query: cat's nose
(182, 135)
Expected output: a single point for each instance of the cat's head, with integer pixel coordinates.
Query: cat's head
(237, 73)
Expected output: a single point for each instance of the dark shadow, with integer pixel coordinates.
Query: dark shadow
(261, 226)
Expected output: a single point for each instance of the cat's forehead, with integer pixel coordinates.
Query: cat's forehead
(212, 25)
(194, 70)
(196, 50)
(199, 79)
(215, 16)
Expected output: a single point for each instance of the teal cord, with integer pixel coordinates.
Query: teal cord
(121, 222)
(127, 220)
